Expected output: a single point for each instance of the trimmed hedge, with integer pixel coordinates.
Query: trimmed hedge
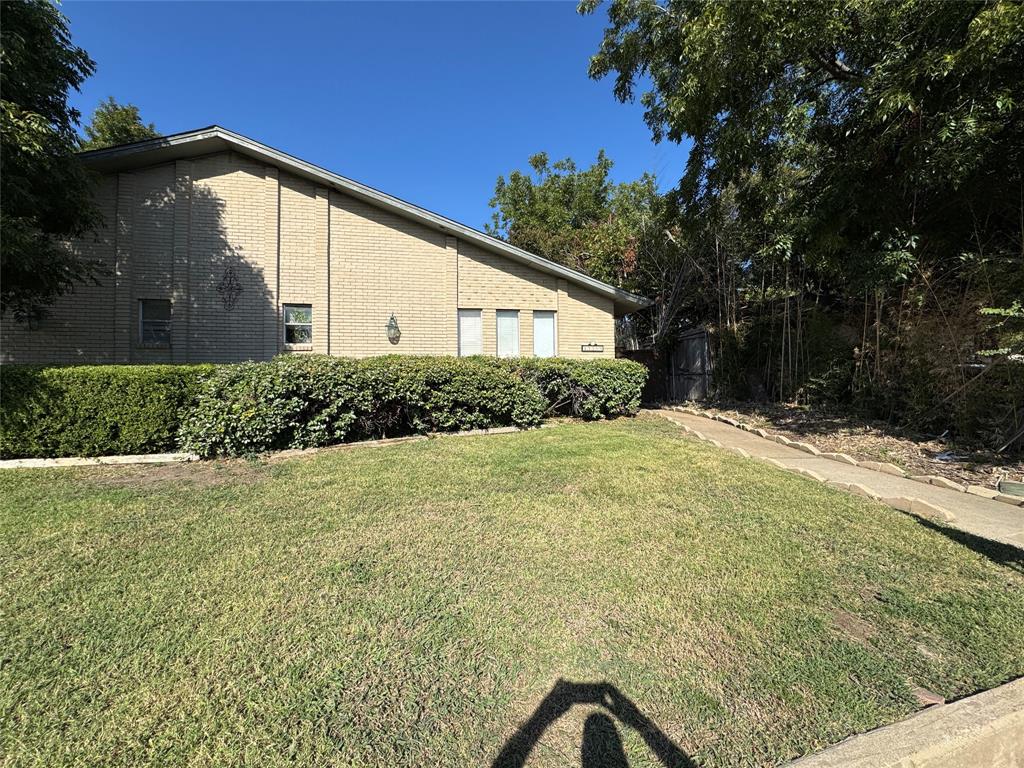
(315, 400)
(289, 402)
(295, 401)
(94, 410)
(445, 394)
(587, 389)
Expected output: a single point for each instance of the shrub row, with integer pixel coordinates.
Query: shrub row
(310, 401)
(295, 402)
(94, 410)
(587, 389)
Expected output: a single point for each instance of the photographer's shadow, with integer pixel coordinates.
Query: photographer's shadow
(601, 744)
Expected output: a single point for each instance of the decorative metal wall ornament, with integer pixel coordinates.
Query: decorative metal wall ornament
(229, 288)
(394, 332)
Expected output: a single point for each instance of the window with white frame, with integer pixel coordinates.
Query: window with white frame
(508, 332)
(544, 322)
(471, 340)
(298, 323)
(155, 322)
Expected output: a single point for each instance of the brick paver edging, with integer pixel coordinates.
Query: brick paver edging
(891, 469)
(171, 458)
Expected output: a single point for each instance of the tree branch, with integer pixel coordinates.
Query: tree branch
(838, 69)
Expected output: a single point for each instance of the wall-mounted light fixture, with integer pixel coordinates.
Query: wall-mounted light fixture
(394, 332)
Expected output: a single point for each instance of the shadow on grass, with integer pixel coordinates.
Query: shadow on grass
(601, 744)
(1005, 555)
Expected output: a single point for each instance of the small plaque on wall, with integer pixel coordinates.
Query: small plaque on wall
(591, 347)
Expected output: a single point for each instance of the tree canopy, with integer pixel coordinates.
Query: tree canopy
(856, 161)
(46, 193)
(113, 124)
(876, 117)
(579, 217)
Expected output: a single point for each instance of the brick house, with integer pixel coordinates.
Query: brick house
(218, 248)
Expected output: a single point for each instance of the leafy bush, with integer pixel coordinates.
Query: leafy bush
(296, 401)
(588, 389)
(290, 402)
(309, 401)
(831, 387)
(94, 410)
(439, 394)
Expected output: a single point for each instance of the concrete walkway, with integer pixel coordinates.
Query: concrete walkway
(986, 729)
(973, 514)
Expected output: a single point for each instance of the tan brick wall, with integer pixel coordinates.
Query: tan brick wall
(175, 230)
(151, 252)
(383, 264)
(298, 263)
(271, 203)
(181, 278)
(490, 282)
(585, 318)
(227, 235)
(62, 336)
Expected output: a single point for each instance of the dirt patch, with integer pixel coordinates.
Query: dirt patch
(198, 474)
(854, 627)
(878, 441)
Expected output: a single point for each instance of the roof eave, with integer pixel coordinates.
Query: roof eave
(215, 138)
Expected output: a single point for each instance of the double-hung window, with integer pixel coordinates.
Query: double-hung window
(508, 332)
(471, 340)
(544, 333)
(298, 323)
(155, 322)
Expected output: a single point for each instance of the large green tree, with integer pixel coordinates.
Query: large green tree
(893, 112)
(578, 217)
(860, 157)
(113, 124)
(45, 194)
(621, 233)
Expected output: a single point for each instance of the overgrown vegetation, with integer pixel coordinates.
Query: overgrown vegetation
(295, 402)
(855, 183)
(411, 606)
(580, 218)
(46, 192)
(850, 220)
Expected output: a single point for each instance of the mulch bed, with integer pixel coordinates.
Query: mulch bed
(877, 441)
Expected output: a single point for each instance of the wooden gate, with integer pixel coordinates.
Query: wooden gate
(689, 375)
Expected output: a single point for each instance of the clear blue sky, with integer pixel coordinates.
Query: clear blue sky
(430, 102)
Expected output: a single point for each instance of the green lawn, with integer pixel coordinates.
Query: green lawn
(415, 604)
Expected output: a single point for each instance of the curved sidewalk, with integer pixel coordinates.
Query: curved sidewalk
(973, 514)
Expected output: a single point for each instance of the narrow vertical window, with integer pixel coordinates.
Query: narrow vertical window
(508, 332)
(471, 340)
(154, 322)
(298, 324)
(543, 333)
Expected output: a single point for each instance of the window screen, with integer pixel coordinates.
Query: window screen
(298, 324)
(470, 333)
(508, 333)
(155, 322)
(543, 333)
